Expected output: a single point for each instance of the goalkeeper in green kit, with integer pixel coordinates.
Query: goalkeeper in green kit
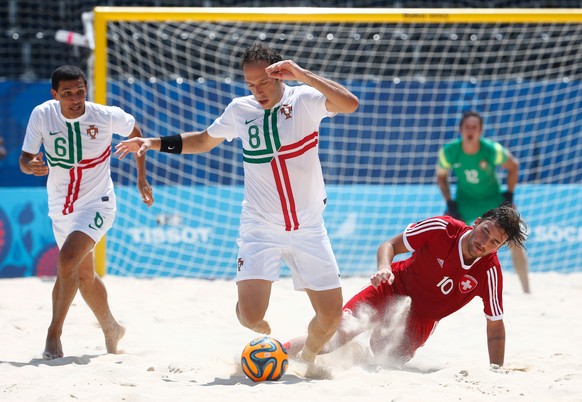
(474, 161)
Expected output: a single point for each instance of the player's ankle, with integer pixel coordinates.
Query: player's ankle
(307, 355)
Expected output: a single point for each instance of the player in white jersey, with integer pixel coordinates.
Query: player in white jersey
(76, 137)
(285, 195)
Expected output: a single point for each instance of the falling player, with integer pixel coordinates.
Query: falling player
(451, 263)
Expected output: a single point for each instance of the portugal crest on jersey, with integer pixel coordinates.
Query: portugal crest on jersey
(467, 284)
(92, 131)
(286, 111)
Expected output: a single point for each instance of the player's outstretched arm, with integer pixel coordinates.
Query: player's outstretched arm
(137, 145)
(496, 341)
(186, 143)
(339, 99)
(199, 142)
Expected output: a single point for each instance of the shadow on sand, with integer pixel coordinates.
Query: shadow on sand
(63, 361)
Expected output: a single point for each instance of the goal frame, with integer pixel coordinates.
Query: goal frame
(103, 15)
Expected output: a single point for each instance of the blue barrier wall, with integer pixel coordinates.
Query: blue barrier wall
(27, 248)
(550, 152)
(27, 244)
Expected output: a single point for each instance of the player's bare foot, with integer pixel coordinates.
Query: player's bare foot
(308, 369)
(112, 337)
(53, 348)
(262, 327)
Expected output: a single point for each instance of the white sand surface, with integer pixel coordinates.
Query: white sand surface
(183, 343)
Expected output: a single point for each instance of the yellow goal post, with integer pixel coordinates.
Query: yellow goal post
(104, 16)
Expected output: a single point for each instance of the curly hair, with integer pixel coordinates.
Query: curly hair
(258, 52)
(509, 220)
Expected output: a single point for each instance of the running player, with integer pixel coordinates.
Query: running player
(76, 137)
(284, 195)
(474, 160)
(451, 263)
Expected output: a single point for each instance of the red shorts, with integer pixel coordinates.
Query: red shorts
(387, 310)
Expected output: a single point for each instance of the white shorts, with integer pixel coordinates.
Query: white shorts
(94, 222)
(306, 251)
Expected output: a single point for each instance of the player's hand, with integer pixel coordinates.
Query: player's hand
(146, 192)
(286, 70)
(453, 210)
(384, 275)
(138, 145)
(37, 165)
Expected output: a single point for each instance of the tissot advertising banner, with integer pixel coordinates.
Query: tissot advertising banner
(193, 232)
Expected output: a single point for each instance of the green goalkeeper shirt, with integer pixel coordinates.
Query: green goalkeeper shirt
(478, 187)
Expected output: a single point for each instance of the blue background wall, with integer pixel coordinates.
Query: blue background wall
(27, 245)
(553, 156)
(550, 153)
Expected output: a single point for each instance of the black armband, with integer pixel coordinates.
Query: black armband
(171, 144)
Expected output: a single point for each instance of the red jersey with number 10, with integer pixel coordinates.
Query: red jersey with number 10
(436, 276)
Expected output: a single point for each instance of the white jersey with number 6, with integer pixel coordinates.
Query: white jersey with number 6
(77, 152)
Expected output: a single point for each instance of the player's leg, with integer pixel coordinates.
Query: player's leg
(327, 305)
(350, 326)
(398, 347)
(520, 265)
(347, 330)
(95, 295)
(315, 271)
(74, 249)
(253, 301)
(259, 261)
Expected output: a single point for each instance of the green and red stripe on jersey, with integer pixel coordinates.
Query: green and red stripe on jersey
(277, 155)
(72, 159)
(76, 176)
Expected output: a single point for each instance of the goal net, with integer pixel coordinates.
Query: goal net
(415, 73)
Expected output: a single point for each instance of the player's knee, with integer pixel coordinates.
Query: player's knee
(330, 319)
(67, 263)
(249, 316)
(66, 257)
(86, 277)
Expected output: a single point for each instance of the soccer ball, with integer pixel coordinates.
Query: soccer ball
(264, 359)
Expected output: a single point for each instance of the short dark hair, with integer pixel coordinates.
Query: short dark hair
(258, 53)
(471, 113)
(66, 73)
(509, 220)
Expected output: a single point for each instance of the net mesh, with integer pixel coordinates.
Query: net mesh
(414, 81)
